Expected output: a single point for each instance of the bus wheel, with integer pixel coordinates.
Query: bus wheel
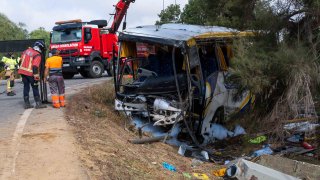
(110, 69)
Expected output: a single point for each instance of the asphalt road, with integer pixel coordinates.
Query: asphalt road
(12, 107)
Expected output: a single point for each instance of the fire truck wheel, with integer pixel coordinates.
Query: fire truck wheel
(110, 69)
(68, 75)
(96, 69)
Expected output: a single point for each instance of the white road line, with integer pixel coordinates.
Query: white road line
(15, 144)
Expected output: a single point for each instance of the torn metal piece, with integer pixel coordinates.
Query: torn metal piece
(166, 120)
(122, 106)
(161, 104)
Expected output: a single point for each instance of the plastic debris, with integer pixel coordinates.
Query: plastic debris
(258, 140)
(219, 132)
(187, 175)
(196, 162)
(200, 176)
(307, 145)
(169, 167)
(294, 150)
(226, 162)
(185, 151)
(205, 155)
(238, 130)
(309, 154)
(296, 138)
(301, 127)
(265, 150)
(220, 172)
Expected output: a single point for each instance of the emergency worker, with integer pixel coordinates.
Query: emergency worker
(10, 66)
(56, 81)
(30, 73)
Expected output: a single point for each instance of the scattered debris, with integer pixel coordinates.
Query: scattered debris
(258, 140)
(196, 162)
(169, 167)
(200, 176)
(238, 131)
(301, 126)
(149, 140)
(307, 145)
(244, 170)
(187, 175)
(296, 138)
(265, 150)
(219, 132)
(220, 172)
(295, 150)
(185, 151)
(205, 154)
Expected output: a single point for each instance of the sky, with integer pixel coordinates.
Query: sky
(44, 13)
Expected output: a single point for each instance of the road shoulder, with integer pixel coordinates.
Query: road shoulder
(47, 149)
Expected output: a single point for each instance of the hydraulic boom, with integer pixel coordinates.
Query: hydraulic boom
(121, 10)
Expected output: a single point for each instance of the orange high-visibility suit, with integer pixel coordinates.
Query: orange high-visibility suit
(56, 81)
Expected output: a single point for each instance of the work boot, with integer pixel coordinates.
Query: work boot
(39, 105)
(27, 104)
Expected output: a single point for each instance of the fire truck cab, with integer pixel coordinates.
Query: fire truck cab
(86, 47)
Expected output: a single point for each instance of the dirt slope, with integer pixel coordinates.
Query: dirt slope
(105, 150)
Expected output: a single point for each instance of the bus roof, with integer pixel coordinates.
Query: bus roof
(178, 34)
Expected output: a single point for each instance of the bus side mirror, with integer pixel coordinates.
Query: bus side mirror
(87, 35)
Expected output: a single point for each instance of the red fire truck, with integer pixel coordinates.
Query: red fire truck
(88, 47)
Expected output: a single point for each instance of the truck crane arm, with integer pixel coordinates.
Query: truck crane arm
(121, 10)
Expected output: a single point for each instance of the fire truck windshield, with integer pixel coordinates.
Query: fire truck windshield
(67, 35)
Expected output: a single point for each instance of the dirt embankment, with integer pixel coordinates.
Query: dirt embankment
(104, 147)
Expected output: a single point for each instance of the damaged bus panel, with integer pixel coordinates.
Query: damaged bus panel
(177, 73)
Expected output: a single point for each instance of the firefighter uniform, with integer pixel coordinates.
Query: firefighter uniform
(56, 81)
(10, 65)
(29, 71)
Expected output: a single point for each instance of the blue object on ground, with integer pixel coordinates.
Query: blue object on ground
(296, 138)
(265, 150)
(169, 167)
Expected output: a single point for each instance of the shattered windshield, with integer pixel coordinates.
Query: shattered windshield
(67, 35)
(149, 63)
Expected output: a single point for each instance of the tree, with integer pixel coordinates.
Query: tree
(41, 33)
(195, 12)
(9, 30)
(286, 47)
(169, 15)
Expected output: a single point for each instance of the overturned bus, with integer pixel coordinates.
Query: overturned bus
(178, 72)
